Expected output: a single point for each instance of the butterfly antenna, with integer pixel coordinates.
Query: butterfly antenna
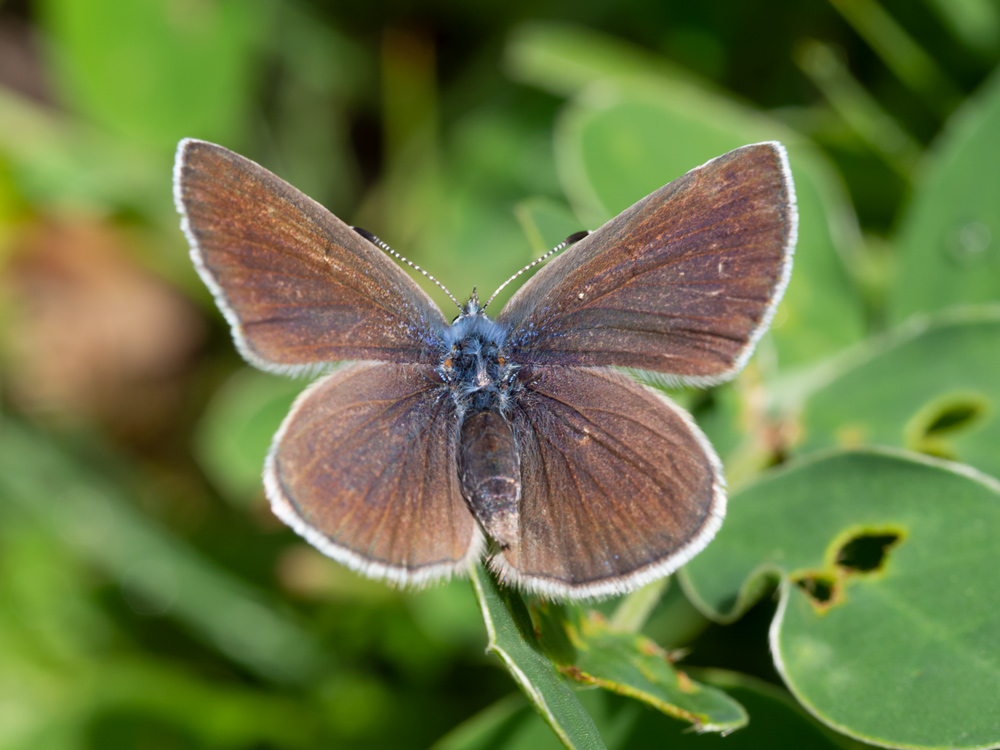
(378, 243)
(573, 238)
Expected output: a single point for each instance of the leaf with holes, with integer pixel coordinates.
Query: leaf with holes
(587, 650)
(889, 616)
(931, 386)
(949, 238)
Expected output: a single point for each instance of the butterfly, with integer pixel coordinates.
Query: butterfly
(519, 438)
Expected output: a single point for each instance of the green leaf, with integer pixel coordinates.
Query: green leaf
(614, 146)
(930, 386)
(949, 237)
(236, 430)
(632, 665)
(889, 614)
(777, 722)
(155, 71)
(512, 640)
(57, 161)
(156, 571)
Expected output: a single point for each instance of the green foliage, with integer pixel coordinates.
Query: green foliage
(929, 387)
(156, 572)
(512, 639)
(149, 599)
(592, 653)
(777, 722)
(179, 69)
(237, 427)
(899, 651)
(948, 236)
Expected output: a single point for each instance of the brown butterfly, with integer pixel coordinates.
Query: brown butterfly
(512, 437)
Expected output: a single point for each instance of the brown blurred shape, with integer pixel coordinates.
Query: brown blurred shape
(91, 335)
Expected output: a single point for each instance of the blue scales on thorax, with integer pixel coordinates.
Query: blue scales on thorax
(483, 384)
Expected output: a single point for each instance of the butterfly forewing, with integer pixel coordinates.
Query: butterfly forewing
(364, 468)
(681, 283)
(619, 487)
(298, 286)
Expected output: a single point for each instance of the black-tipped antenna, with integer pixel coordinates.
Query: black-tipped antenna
(573, 238)
(378, 243)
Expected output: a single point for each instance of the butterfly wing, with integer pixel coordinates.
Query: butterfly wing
(298, 286)
(619, 487)
(682, 283)
(364, 468)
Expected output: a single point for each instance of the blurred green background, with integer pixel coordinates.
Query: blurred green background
(148, 599)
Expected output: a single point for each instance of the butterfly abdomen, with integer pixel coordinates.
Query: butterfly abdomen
(489, 469)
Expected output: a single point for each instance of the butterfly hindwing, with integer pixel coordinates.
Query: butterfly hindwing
(619, 487)
(364, 468)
